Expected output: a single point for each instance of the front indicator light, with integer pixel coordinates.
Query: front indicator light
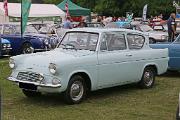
(56, 81)
(11, 63)
(52, 68)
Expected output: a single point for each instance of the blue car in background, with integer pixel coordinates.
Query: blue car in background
(5, 47)
(119, 24)
(174, 52)
(30, 42)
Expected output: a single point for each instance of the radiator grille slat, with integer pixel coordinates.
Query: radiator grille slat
(29, 76)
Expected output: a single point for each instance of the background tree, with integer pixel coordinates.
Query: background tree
(120, 7)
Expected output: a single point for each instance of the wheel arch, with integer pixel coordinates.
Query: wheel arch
(152, 65)
(86, 76)
(153, 39)
(25, 43)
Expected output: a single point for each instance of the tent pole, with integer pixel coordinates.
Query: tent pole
(21, 21)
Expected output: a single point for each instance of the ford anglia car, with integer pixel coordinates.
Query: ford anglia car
(89, 59)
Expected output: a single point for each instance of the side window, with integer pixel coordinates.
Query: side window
(135, 41)
(8, 29)
(113, 41)
(92, 43)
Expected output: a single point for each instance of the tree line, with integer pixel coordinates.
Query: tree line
(120, 7)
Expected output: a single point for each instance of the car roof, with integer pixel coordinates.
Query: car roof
(101, 30)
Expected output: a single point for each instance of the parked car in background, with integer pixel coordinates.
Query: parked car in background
(38, 26)
(95, 25)
(174, 52)
(159, 28)
(122, 24)
(89, 59)
(154, 35)
(178, 26)
(30, 42)
(51, 32)
(5, 47)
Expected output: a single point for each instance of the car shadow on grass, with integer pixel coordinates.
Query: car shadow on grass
(45, 99)
(57, 99)
(172, 74)
(118, 91)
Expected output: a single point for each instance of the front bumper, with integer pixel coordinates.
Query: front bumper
(6, 52)
(34, 83)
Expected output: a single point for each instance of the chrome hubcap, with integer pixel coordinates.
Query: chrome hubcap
(148, 78)
(28, 50)
(77, 90)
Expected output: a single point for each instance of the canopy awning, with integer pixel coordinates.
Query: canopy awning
(74, 9)
(37, 10)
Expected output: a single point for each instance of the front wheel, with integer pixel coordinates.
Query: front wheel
(76, 90)
(31, 94)
(27, 48)
(152, 41)
(148, 78)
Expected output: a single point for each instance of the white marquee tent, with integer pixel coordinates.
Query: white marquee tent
(36, 11)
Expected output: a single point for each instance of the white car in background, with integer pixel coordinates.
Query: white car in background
(156, 34)
(178, 26)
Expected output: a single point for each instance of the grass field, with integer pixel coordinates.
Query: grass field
(119, 103)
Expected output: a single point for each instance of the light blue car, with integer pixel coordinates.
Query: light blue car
(89, 59)
(174, 52)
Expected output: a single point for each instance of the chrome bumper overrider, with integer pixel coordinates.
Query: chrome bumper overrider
(35, 83)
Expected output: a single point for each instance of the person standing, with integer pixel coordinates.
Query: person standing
(67, 23)
(82, 23)
(171, 27)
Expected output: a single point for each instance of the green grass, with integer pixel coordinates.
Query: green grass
(118, 103)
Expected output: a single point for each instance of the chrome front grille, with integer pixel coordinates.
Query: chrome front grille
(29, 76)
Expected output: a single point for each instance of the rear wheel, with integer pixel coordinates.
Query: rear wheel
(27, 48)
(152, 41)
(31, 94)
(76, 90)
(148, 78)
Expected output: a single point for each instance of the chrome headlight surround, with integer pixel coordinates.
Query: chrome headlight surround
(8, 45)
(52, 68)
(4, 45)
(11, 63)
(46, 41)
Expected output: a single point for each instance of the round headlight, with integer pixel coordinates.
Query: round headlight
(46, 42)
(4, 45)
(8, 45)
(52, 68)
(11, 63)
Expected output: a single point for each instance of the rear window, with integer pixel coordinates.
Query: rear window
(135, 41)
